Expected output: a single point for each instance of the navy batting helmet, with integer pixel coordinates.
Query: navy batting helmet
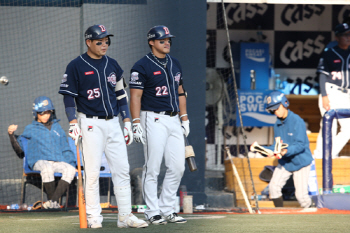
(96, 32)
(158, 33)
(42, 104)
(341, 28)
(275, 99)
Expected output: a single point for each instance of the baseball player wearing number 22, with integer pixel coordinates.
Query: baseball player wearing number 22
(157, 99)
(95, 81)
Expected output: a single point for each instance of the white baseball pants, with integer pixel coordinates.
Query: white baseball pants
(280, 177)
(98, 136)
(48, 168)
(338, 99)
(163, 138)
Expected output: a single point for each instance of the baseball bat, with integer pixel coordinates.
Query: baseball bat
(81, 197)
(189, 153)
(235, 173)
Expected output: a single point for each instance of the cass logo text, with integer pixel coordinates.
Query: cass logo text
(295, 51)
(240, 12)
(294, 13)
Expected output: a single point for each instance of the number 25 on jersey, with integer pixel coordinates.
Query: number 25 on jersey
(94, 93)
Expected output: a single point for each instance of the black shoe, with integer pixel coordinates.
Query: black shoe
(175, 218)
(312, 205)
(157, 220)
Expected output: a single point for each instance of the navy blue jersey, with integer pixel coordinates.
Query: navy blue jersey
(160, 85)
(334, 63)
(92, 83)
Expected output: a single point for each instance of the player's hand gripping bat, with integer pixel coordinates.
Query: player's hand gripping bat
(189, 155)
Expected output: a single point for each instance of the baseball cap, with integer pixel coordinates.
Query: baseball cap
(341, 28)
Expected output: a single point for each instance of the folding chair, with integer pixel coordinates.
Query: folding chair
(105, 172)
(29, 172)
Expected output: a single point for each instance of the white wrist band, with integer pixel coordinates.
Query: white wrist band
(135, 119)
(183, 115)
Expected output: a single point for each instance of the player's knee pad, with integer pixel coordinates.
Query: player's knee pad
(123, 196)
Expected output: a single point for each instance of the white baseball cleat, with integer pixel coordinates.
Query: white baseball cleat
(94, 224)
(174, 218)
(51, 205)
(131, 221)
(157, 220)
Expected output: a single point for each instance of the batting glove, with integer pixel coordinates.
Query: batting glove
(137, 130)
(74, 132)
(186, 127)
(128, 135)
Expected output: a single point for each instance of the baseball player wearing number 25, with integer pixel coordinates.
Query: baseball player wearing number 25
(296, 158)
(157, 99)
(95, 81)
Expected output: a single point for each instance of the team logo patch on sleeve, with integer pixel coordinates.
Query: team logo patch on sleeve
(89, 72)
(177, 77)
(133, 78)
(64, 78)
(112, 78)
(157, 72)
(90, 128)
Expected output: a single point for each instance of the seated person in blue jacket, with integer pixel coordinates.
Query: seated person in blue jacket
(296, 158)
(47, 151)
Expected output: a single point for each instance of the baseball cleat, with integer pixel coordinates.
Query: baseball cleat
(94, 224)
(51, 205)
(174, 218)
(131, 221)
(157, 220)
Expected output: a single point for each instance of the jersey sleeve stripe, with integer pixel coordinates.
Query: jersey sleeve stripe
(135, 87)
(322, 72)
(67, 92)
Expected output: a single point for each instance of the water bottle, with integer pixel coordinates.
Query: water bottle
(183, 192)
(312, 184)
(252, 79)
(277, 82)
(14, 207)
(272, 79)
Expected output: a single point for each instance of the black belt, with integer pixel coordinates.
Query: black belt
(167, 113)
(100, 117)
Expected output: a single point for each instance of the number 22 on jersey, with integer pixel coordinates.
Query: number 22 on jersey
(161, 91)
